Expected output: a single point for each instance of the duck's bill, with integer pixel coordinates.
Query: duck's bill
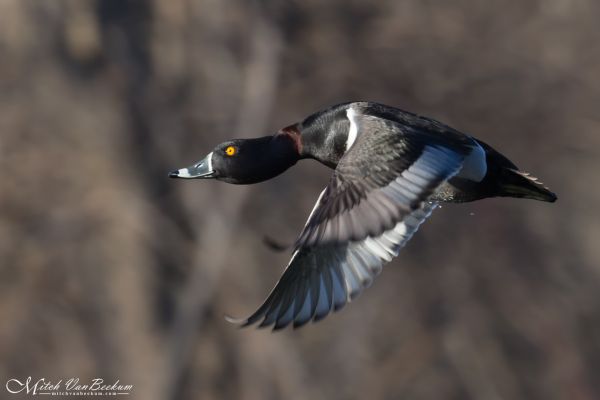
(200, 170)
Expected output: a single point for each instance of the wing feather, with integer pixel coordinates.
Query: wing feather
(321, 280)
(376, 200)
(367, 194)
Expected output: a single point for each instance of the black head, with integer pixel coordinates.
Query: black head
(245, 161)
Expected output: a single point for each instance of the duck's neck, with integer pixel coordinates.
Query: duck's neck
(322, 137)
(277, 154)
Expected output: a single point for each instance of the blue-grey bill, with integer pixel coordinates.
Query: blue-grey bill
(202, 169)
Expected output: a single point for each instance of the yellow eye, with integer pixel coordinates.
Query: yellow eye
(230, 151)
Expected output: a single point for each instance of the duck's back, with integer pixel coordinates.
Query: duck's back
(329, 136)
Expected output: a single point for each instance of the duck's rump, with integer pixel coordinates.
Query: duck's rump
(502, 179)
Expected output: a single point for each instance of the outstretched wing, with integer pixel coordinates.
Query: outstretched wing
(374, 203)
(386, 174)
(322, 279)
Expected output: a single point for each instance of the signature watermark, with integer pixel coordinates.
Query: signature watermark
(67, 387)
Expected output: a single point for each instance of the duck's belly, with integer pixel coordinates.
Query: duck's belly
(469, 184)
(460, 190)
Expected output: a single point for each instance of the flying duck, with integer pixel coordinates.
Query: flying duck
(391, 169)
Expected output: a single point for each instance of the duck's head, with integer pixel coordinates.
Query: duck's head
(245, 161)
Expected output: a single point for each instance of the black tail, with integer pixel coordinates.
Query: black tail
(505, 179)
(515, 183)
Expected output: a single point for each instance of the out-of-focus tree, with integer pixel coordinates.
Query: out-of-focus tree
(108, 269)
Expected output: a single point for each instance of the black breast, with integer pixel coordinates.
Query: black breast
(324, 135)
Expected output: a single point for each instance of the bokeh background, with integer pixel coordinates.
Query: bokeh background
(109, 269)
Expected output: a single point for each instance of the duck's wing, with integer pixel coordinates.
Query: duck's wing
(322, 279)
(375, 202)
(384, 176)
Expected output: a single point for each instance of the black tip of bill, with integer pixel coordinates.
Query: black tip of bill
(174, 174)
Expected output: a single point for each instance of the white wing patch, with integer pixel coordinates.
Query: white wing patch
(364, 259)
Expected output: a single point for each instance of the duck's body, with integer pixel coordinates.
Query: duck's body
(391, 168)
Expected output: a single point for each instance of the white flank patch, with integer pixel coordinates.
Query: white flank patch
(353, 132)
(474, 167)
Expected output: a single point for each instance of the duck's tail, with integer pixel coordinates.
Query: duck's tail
(515, 183)
(505, 179)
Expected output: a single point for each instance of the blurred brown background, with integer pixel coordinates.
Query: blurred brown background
(109, 269)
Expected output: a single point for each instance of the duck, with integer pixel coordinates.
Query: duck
(391, 169)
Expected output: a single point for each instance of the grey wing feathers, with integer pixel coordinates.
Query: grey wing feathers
(322, 279)
(375, 202)
(353, 209)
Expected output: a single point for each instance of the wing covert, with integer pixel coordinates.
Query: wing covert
(388, 172)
